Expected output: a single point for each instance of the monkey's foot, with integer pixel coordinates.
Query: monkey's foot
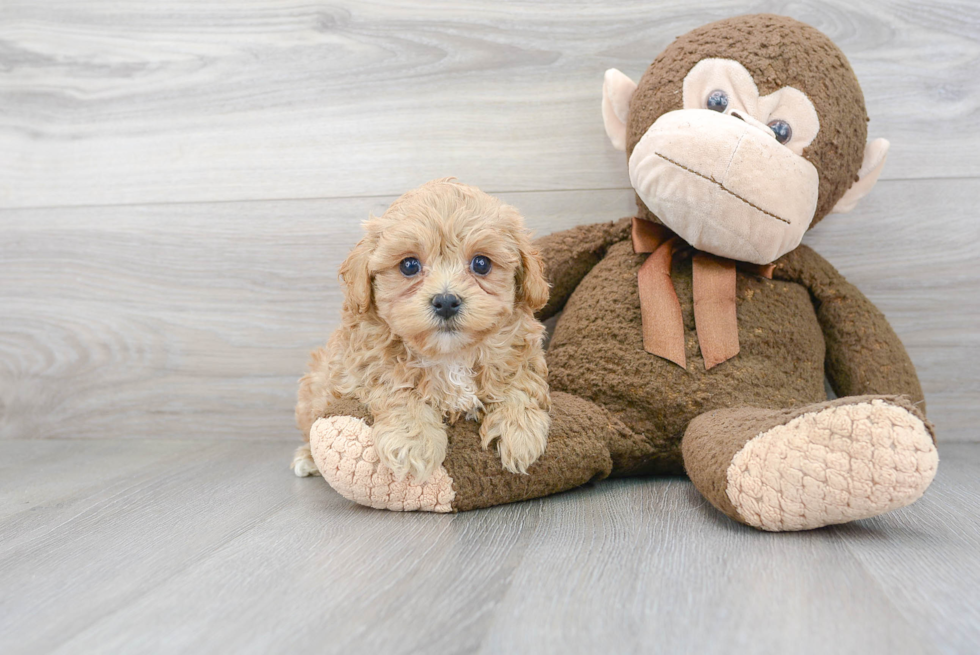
(840, 461)
(343, 449)
(833, 466)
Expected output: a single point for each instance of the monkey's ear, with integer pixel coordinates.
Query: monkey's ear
(875, 153)
(617, 89)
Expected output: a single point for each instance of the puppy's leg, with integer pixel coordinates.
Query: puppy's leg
(303, 464)
(311, 402)
(410, 437)
(315, 392)
(521, 426)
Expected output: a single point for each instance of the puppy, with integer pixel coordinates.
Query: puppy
(438, 324)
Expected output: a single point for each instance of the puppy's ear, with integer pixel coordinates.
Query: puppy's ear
(357, 277)
(532, 287)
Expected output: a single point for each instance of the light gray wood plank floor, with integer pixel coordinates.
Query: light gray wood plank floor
(150, 546)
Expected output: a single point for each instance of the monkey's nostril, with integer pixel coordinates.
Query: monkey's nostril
(446, 305)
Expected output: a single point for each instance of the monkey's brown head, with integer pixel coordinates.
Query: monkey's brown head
(743, 134)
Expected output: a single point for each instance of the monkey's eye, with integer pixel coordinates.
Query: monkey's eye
(480, 265)
(782, 130)
(717, 101)
(410, 266)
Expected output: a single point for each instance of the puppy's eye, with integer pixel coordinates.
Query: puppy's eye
(410, 266)
(480, 265)
(782, 130)
(717, 101)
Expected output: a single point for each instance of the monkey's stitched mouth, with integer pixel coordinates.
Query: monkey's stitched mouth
(721, 186)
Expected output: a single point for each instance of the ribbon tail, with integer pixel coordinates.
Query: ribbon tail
(647, 236)
(663, 324)
(714, 308)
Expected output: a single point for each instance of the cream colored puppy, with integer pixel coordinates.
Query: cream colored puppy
(438, 324)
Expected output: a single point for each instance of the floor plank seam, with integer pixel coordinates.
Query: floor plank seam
(384, 196)
(524, 541)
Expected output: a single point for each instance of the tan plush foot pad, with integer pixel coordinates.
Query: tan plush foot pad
(832, 466)
(344, 452)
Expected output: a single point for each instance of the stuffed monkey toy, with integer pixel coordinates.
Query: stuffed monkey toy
(695, 336)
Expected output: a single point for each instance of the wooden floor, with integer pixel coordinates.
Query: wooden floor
(179, 182)
(212, 547)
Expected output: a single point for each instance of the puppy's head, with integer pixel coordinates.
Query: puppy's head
(446, 266)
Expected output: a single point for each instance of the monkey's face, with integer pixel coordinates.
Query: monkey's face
(726, 172)
(743, 134)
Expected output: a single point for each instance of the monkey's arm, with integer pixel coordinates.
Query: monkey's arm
(570, 254)
(864, 355)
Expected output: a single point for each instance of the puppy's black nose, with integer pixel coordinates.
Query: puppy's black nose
(446, 305)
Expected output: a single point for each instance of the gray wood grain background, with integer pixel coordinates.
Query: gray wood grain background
(179, 181)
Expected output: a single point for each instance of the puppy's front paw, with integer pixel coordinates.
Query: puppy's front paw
(410, 448)
(522, 434)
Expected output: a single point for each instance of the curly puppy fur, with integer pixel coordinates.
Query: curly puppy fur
(413, 369)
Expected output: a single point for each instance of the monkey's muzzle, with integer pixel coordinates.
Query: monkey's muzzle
(724, 185)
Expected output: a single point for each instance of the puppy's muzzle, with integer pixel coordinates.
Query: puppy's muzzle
(446, 305)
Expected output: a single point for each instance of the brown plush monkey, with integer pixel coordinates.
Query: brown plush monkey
(696, 335)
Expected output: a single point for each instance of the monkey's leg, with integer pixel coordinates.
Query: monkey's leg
(833, 462)
(470, 478)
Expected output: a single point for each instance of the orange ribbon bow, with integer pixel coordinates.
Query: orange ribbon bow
(714, 297)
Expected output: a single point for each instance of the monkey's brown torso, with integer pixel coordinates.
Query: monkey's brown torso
(597, 353)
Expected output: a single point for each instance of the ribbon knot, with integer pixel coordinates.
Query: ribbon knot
(714, 297)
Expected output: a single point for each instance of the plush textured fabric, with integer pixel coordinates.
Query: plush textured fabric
(597, 353)
(839, 464)
(714, 282)
(717, 441)
(343, 449)
(578, 451)
(709, 75)
(584, 443)
(570, 254)
(777, 51)
(698, 172)
(864, 355)
(618, 410)
(616, 92)
(875, 154)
